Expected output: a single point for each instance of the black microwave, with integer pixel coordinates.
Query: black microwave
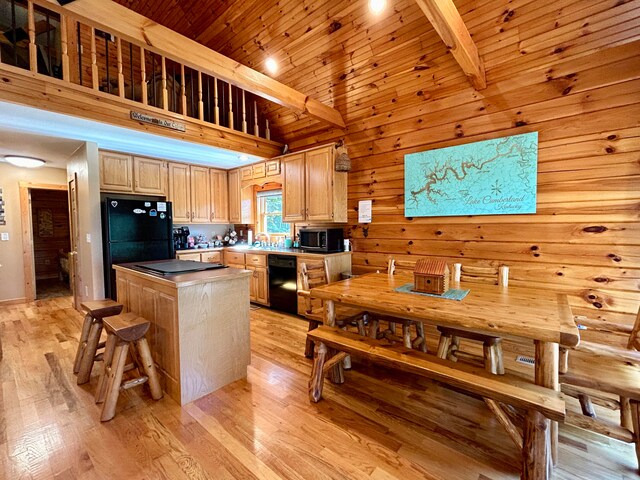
(322, 240)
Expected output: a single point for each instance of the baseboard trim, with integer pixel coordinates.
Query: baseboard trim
(13, 301)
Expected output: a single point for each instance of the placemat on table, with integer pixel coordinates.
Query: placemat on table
(451, 294)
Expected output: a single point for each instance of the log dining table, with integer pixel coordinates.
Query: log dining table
(541, 316)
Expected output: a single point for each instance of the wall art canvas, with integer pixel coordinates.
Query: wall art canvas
(492, 177)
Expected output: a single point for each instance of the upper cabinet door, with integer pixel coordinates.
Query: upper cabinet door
(293, 189)
(319, 194)
(219, 196)
(180, 192)
(116, 172)
(150, 176)
(235, 210)
(200, 195)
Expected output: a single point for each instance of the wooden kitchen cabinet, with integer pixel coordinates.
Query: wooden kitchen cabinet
(116, 172)
(211, 257)
(272, 168)
(180, 192)
(150, 176)
(219, 196)
(293, 188)
(200, 195)
(312, 190)
(195, 257)
(259, 281)
(235, 202)
(246, 173)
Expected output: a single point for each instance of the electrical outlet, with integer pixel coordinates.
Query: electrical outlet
(88, 238)
(86, 290)
(4, 236)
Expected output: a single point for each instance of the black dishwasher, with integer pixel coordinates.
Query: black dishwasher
(283, 288)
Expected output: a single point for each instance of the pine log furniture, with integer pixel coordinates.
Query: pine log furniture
(537, 315)
(316, 274)
(420, 340)
(89, 341)
(501, 393)
(199, 335)
(449, 345)
(125, 336)
(593, 372)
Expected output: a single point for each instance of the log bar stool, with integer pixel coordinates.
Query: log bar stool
(90, 336)
(125, 334)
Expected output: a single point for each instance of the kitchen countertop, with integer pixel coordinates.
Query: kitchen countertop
(245, 249)
(184, 279)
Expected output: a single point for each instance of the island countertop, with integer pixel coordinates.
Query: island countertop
(183, 279)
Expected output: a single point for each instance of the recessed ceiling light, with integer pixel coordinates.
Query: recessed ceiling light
(243, 158)
(271, 64)
(377, 6)
(26, 162)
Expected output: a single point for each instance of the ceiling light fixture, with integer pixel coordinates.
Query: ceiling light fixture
(25, 162)
(377, 6)
(243, 158)
(272, 65)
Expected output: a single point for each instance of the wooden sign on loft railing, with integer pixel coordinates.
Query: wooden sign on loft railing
(53, 44)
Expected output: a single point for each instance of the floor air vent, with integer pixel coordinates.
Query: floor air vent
(525, 360)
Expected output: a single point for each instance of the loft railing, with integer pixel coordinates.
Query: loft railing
(45, 42)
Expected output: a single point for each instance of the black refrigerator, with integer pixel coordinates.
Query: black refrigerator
(134, 231)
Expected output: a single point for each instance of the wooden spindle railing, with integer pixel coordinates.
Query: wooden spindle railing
(33, 48)
(170, 86)
(120, 68)
(200, 99)
(64, 48)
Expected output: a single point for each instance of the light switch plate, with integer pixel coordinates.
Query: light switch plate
(88, 238)
(4, 236)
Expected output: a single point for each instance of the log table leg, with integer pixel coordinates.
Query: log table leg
(316, 381)
(547, 360)
(82, 344)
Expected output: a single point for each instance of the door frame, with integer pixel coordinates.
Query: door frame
(26, 221)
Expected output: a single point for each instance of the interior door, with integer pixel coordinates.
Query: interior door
(74, 276)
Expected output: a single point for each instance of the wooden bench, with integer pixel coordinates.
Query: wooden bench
(538, 402)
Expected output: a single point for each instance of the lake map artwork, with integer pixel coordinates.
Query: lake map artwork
(492, 177)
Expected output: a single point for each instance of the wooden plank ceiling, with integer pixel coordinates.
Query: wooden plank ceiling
(568, 70)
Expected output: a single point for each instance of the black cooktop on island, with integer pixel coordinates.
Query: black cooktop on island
(173, 267)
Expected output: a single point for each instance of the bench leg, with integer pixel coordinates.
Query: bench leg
(420, 332)
(82, 343)
(89, 353)
(316, 382)
(635, 416)
(336, 374)
(535, 448)
(626, 419)
(308, 346)
(114, 381)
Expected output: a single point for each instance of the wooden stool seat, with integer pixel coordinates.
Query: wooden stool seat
(89, 342)
(102, 308)
(125, 335)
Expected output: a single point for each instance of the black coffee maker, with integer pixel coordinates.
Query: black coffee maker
(180, 238)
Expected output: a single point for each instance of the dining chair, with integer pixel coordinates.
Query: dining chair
(607, 376)
(449, 344)
(316, 274)
(417, 340)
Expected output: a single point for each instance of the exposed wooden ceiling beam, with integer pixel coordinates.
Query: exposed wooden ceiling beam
(115, 18)
(447, 21)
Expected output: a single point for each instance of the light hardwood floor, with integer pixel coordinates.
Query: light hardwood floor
(378, 425)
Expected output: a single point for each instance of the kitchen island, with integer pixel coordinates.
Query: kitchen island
(199, 335)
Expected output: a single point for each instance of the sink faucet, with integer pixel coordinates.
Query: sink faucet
(261, 235)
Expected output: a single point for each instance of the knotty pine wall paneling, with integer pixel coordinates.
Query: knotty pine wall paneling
(568, 70)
